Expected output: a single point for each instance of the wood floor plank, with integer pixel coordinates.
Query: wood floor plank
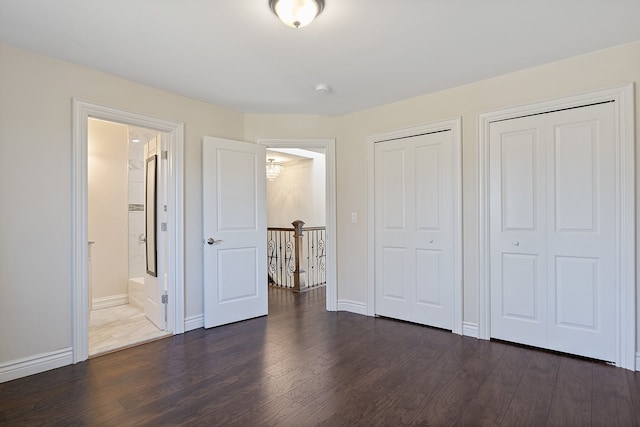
(489, 405)
(571, 404)
(446, 405)
(611, 401)
(532, 399)
(633, 380)
(304, 366)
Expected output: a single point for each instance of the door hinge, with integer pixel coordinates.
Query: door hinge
(164, 155)
(163, 226)
(165, 299)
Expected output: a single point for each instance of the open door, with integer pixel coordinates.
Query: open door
(235, 231)
(154, 279)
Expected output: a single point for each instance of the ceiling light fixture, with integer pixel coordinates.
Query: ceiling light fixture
(297, 13)
(323, 88)
(273, 170)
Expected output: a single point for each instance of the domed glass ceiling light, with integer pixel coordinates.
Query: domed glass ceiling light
(273, 170)
(297, 13)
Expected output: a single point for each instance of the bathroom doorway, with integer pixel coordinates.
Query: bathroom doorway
(126, 192)
(172, 279)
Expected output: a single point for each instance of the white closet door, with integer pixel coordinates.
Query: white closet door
(414, 230)
(518, 231)
(553, 221)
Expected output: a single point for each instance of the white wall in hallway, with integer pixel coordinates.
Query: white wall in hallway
(298, 193)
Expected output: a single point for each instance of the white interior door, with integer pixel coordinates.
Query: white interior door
(235, 231)
(155, 200)
(414, 229)
(553, 224)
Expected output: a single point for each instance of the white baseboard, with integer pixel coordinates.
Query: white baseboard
(637, 361)
(35, 364)
(193, 322)
(352, 306)
(112, 301)
(470, 329)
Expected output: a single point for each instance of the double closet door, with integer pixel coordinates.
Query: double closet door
(414, 229)
(553, 219)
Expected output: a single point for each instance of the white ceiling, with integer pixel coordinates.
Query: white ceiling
(286, 155)
(237, 54)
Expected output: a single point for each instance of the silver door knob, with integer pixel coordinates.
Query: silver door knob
(430, 240)
(516, 243)
(213, 241)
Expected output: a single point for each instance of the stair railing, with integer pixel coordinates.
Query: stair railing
(296, 256)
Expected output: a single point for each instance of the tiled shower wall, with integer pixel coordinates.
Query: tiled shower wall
(136, 210)
(137, 262)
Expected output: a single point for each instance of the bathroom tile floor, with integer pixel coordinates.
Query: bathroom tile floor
(119, 327)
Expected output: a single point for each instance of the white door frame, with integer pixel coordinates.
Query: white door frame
(329, 146)
(455, 126)
(624, 118)
(81, 111)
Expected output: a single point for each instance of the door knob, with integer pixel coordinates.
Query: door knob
(516, 243)
(430, 240)
(213, 241)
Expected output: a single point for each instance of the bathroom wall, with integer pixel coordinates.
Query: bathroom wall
(107, 212)
(136, 209)
(138, 137)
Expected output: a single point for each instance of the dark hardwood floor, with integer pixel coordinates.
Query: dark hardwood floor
(303, 366)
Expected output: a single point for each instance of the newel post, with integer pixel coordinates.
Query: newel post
(297, 234)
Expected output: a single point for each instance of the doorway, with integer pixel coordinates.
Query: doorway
(122, 303)
(82, 112)
(326, 146)
(296, 198)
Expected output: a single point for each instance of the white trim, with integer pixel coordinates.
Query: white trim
(110, 301)
(352, 306)
(455, 126)
(637, 361)
(194, 322)
(35, 364)
(624, 112)
(329, 145)
(82, 111)
(470, 329)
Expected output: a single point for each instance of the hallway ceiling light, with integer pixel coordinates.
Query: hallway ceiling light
(297, 13)
(273, 170)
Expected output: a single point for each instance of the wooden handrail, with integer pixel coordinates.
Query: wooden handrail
(293, 229)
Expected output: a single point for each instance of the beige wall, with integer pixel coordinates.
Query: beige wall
(598, 70)
(107, 210)
(35, 171)
(298, 193)
(35, 188)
